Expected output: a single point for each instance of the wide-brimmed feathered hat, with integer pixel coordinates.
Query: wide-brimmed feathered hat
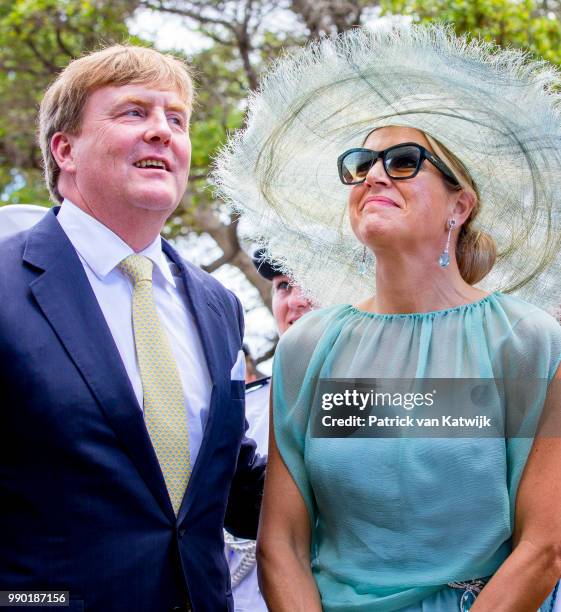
(496, 110)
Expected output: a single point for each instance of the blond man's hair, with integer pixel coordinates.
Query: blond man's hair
(63, 105)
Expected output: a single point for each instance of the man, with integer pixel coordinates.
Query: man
(289, 304)
(122, 375)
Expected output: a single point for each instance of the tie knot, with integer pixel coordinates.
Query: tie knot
(137, 268)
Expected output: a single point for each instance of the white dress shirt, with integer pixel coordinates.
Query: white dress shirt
(101, 251)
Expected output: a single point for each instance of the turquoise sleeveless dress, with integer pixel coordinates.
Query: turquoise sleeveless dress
(395, 520)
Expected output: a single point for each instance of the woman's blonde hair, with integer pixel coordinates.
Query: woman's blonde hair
(475, 250)
(63, 105)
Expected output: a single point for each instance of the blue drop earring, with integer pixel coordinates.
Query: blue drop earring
(362, 265)
(444, 258)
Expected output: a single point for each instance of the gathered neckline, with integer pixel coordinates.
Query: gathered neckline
(419, 315)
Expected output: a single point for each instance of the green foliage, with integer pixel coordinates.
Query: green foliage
(220, 102)
(24, 187)
(219, 110)
(37, 39)
(524, 24)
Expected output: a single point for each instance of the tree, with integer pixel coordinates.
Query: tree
(332, 17)
(37, 39)
(525, 24)
(219, 109)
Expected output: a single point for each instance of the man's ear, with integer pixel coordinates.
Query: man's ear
(62, 150)
(461, 209)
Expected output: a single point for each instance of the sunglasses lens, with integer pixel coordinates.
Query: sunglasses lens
(355, 166)
(402, 162)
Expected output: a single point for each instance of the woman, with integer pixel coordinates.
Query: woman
(412, 523)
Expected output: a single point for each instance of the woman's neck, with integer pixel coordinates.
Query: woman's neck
(406, 284)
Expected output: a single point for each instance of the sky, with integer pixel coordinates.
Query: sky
(167, 31)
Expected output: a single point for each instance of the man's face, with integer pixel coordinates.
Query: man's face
(133, 151)
(289, 303)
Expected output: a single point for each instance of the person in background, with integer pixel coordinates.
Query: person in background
(17, 217)
(122, 375)
(251, 372)
(289, 304)
(289, 300)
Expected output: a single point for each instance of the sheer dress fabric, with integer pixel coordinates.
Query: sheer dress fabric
(395, 520)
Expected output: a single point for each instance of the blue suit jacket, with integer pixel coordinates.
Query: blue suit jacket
(84, 506)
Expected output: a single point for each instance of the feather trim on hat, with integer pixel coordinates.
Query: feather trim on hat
(496, 110)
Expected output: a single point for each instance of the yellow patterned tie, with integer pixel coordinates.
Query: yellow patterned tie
(164, 405)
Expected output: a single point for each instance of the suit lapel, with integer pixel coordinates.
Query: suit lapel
(67, 300)
(210, 325)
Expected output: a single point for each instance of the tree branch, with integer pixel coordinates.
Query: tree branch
(226, 238)
(62, 46)
(48, 65)
(213, 36)
(217, 263)
(244, 48)
(270, 353)
(185, 12)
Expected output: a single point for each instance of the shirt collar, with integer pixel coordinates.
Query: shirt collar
(86, 234)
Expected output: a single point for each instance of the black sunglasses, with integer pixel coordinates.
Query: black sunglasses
(402, 161)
